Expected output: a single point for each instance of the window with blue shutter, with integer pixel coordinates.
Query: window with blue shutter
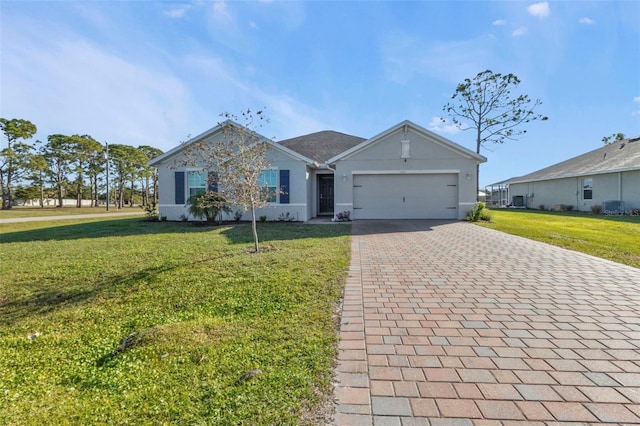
(179, 190)
(284, 186)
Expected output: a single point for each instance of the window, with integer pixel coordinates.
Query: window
(587, 189)
(197, 183)
(268, 180)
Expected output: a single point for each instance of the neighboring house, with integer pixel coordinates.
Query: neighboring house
(608, 176)
(405, 172)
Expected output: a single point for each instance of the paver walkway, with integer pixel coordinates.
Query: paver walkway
(452, 323)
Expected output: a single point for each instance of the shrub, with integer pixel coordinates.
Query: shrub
(541, 207)
(485, 215)
(286, 217)
(263, 218)
(207, 205)
(344, 216)
(237, 216)
(596, 209)
(569, 207)
(478, 211)
(151, 211)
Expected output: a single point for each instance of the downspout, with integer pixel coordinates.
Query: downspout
(620, 186)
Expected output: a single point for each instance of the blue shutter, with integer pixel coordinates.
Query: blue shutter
(284, 186)
(179, 179)
(212, 182)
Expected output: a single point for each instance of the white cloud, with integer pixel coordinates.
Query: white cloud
(66, 84)
(221, 12)
(586, 21)
(405, 56)
(447, 127)
(541, 10)
(498, 22)
(636, 99)
(177, 12)
(289, 117)
(519, 32)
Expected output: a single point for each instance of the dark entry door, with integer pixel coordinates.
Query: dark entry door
(325, 194)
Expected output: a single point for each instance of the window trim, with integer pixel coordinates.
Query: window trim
(272, 189)
(587, 187)
(199, 188)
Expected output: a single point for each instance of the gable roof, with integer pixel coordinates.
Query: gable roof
(616, 157)
(178, 149)
(321, 146)
(406, 124)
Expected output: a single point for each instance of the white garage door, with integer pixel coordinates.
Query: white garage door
(406, 196)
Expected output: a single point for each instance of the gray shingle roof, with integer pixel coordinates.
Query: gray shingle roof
(618, 156)
(321, 146)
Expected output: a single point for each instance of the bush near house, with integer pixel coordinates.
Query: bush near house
(478, 212)
(127, 321)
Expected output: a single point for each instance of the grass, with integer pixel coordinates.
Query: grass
(197, 310)
(17, 212)
(616, 238)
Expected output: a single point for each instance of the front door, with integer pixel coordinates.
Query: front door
(325, 194)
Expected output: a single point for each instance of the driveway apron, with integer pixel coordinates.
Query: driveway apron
(451, 323)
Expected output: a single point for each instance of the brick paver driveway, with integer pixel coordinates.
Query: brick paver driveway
(451, 323)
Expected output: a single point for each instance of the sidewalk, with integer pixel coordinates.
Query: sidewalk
(137, 212)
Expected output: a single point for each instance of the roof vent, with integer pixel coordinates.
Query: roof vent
(622, 145)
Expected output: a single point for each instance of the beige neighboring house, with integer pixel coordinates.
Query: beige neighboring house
(607, 176)
(405, 172)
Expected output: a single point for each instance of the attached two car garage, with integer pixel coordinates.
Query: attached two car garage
(412, 195)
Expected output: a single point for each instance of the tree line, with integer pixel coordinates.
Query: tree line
(74, 166)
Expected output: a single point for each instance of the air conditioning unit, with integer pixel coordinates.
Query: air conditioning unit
(517, 201)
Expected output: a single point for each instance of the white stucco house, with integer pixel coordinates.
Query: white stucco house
(608, 176)
(405, 172)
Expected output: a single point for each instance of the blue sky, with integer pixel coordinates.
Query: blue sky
(155, 72)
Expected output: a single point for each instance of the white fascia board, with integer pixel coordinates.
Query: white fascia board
(176, 150)
(419, 129)
(406, 172)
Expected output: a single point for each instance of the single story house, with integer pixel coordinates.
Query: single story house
(405, 172)
(607, 176)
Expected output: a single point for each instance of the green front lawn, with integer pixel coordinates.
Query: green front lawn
(615, 238)
(199, 311)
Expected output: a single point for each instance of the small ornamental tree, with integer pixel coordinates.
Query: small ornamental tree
(235, 163)
(487, 105)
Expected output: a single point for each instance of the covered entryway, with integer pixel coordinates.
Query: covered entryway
(405, 196)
